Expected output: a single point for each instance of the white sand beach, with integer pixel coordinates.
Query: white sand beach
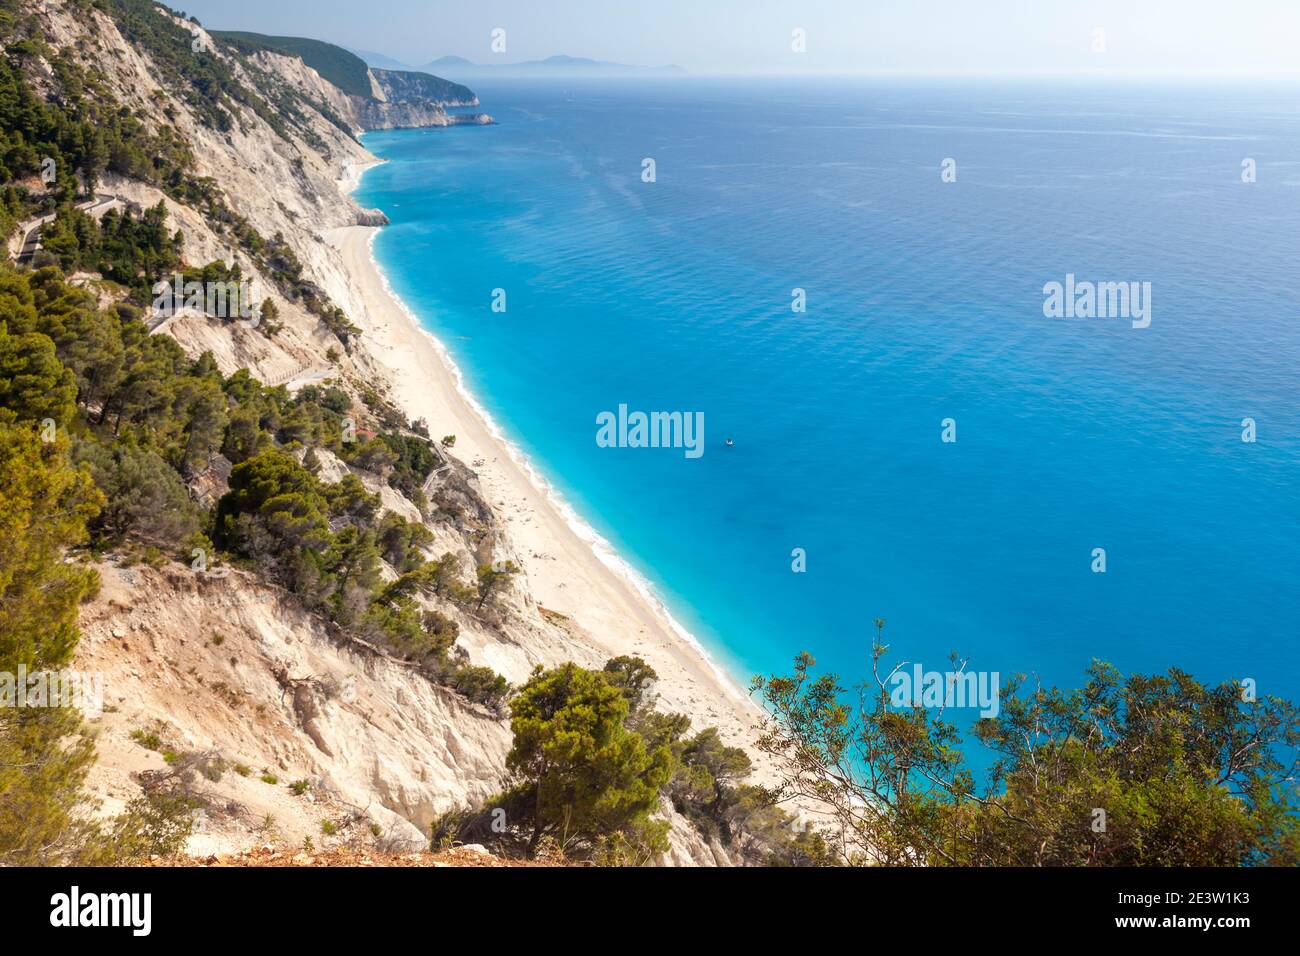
(565, 573)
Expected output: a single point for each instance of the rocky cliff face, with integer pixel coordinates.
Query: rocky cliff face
(232, 668)
(375, 114)
(401, 86)
(229, 674)
(399, 101)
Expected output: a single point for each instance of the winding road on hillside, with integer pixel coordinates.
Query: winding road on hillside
(31, 229)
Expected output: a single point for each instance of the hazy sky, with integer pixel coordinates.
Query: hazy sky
(854, 36)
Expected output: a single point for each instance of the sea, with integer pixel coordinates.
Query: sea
(847, 283)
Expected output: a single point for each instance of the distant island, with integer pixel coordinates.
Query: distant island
(558, 65)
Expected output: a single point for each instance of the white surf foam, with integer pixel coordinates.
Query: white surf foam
(599, 545)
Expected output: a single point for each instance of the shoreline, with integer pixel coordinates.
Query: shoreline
(604, 552)
(569, 566)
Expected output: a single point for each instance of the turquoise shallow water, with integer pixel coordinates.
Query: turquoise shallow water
(924, 303)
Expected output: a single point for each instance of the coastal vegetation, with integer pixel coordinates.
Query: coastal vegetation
(70, 140)
(203, 80)
(594, 762)
(104, 429)
(145, 422)
(402, 86)
(44, 753)
(134, 252)
(1139, 771)
(345, 70)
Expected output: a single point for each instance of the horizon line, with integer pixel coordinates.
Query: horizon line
(672, 71)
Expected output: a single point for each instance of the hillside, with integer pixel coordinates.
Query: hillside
(336, 65)
(340, 86)
(311, 617)
(403, 86)
(350, 73)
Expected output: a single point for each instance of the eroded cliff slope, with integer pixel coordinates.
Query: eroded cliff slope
(291, 728)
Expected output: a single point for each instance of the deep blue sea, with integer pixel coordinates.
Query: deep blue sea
(924, 302)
